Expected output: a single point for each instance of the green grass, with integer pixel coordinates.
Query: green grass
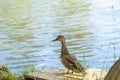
(6, 74)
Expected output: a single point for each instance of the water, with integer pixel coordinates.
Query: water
(92, 30)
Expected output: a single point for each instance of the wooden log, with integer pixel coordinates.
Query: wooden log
(41, 76)
(58, 74)
(114, 72)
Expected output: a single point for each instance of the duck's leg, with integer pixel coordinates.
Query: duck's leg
(72, 72)
(68, 71)
(84, 73)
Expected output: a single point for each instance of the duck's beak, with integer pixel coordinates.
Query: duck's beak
(55, 39)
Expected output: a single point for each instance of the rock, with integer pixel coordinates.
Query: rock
(114, 72)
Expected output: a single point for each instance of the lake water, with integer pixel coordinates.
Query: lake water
(91, 28)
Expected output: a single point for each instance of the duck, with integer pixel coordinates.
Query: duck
(67, 59)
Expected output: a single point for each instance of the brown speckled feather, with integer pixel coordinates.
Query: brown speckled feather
(71, 63)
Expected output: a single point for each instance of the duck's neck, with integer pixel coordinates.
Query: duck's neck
(64, 50)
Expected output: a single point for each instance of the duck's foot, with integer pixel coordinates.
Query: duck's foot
(83, 73)
(74, 76)
(67, 73)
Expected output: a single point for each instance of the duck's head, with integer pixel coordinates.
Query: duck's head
(59, 38)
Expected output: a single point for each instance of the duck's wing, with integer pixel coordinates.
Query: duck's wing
(74, 62)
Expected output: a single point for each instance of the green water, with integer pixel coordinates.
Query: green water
(91, 28)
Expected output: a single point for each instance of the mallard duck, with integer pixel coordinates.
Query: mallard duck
(67, 59)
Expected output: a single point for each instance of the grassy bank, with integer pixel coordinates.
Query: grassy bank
(6, 74)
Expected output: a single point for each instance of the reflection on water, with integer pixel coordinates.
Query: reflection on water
(28, 26)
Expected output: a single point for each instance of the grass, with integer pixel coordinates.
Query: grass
(6, 74)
